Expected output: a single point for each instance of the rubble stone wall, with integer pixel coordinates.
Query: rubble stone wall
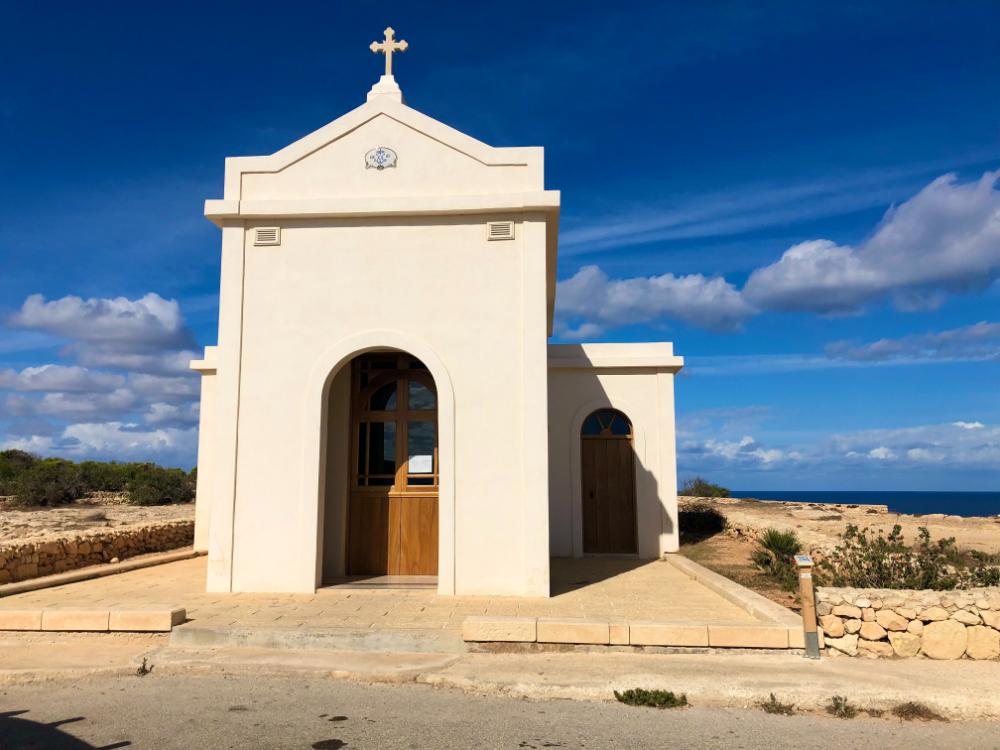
(927, 624)
(19, 562)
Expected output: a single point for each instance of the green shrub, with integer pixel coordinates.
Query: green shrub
(48, 481)
(775, 555)
(652, 698)
(698, 487)
(868, 558)
(13, 463)
(773, 706)
(153, 485)
(841, 708)
(911, 710)
(699, 521)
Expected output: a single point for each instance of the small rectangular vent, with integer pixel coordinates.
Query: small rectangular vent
(500, 230)
(267, 236)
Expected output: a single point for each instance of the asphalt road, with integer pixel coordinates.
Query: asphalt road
(164, 712)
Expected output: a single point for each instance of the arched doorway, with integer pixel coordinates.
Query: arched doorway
(607, 463)
(392, 513)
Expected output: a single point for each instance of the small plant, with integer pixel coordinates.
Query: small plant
(773, 706)
(775, 555)
(652, 698)
(698, 487)
(699, 521)
(875, 713)
(143, 669)
(866, 558)
(911, 710)
(841, 708)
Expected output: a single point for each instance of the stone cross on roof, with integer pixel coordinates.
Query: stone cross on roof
(387, 47)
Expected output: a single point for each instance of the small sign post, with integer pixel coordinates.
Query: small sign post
(809, 627)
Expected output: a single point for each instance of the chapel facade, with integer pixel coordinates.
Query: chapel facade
(383, 404)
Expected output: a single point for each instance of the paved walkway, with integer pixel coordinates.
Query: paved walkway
(608, 589)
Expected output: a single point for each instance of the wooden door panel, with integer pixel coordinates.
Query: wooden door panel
(368, 535)
(418, 533)
(608, 503)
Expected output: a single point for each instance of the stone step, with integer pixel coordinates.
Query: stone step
(412, 640)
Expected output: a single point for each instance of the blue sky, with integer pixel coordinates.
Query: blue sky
(800, 196)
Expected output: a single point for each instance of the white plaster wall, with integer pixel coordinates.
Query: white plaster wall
(333, 512)
(645, 396)
(204, 491)
(479, 305)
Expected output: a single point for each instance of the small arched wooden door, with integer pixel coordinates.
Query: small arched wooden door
(608, 468)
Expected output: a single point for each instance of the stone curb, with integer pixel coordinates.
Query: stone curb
(74, 620)
(583, 632)
(96, 571)
(749, 601)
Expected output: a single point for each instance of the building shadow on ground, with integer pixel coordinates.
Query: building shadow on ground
(568, 574)
(19, 733)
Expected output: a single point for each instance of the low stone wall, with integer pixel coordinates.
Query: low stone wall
(932, 624)
(19, 562)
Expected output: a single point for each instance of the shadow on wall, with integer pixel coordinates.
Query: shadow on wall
(17, 732)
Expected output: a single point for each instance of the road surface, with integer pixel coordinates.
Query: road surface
(169, 711)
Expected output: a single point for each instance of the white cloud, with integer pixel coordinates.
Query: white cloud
(881, 453)
(172, 414)
(944, 239)
(60, 378)
(602, 302)
(74, 405)
(978, 342)
(149, 323)
(132, 357)
(969, 425)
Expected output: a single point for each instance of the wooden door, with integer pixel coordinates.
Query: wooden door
(608, 483)
(393, 505)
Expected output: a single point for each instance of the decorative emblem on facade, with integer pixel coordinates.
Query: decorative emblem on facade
(380, 158)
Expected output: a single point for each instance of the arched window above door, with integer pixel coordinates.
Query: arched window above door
(606, 423)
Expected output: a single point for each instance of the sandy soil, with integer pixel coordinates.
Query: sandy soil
(40, 524)
(819, 525)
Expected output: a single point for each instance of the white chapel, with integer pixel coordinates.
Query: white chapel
(383, 404)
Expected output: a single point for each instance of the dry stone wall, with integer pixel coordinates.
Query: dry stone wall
(19, 562)
(932, 624)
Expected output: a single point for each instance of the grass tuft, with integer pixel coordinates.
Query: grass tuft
(773, 706)
(841, 708)
(912, 710)
(652, 698)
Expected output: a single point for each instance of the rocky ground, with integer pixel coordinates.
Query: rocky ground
(91, 514)
(819, 526)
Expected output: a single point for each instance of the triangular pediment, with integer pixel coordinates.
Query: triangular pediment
(420, 156)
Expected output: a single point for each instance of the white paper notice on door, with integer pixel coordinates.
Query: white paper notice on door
(421, 464)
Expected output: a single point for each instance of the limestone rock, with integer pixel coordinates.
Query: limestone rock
(916, 627)
(824, 608)
(933, 614)
(852, 626)
(944, 639)
(847, 645)
(992, 619)
(984, 643)
(862, 602)
(905, 644)
(847, 610)
(966, 617)
(906, 613)
(890, 620)
(872, 631)
(874, 648)
(832, 625)
(868, 614)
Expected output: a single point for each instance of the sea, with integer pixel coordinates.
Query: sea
(916, 503)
